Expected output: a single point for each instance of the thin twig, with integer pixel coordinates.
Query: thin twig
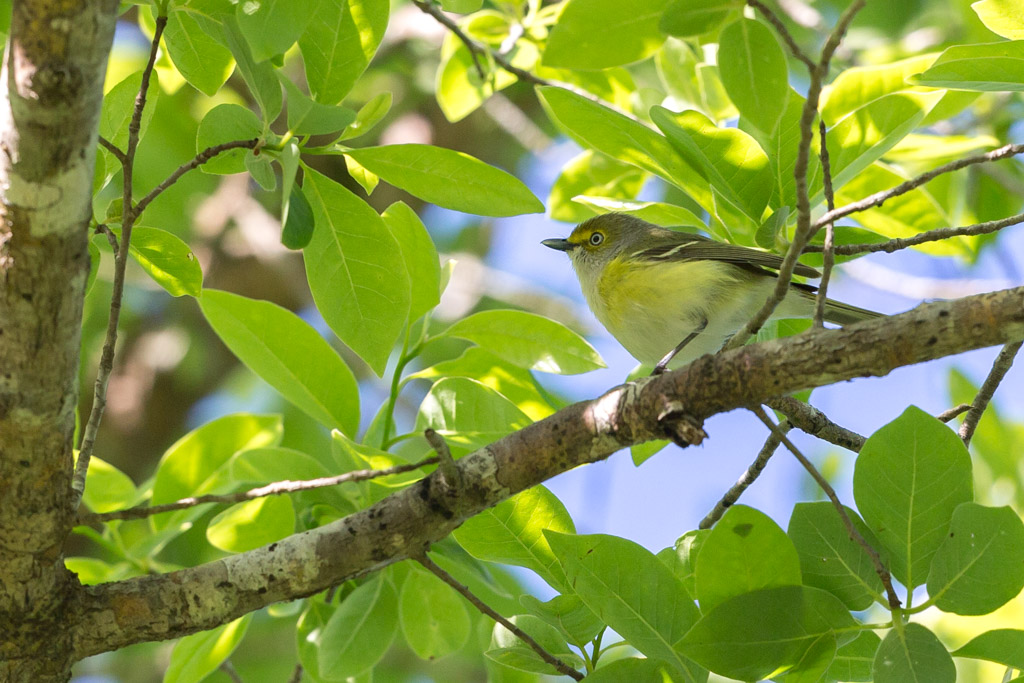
(103, 229)
(955, 411)
(450, 475)
(228, 668)
(296, 676)
(999, 369)
(197, 161)
(879, 198)
(781, 29)
(804, 228)
(276, 488)
(562, 667)
(829, 261)
(751, 474)
(876, 560)
(113, 149)
(474, 48)
(106, 365)
(810, 420)
(930, 236)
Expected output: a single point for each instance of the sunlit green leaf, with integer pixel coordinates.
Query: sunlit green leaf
(597, 34)
(338, 44)
(167, 260)
(753, 70)
(252, 524)
(197, 656)
(468, 413)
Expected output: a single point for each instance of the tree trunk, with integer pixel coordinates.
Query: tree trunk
(53, 71)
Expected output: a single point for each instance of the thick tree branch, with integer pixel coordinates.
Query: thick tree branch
(52, 90)
(110, 616)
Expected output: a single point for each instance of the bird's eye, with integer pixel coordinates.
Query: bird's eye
(596, 238)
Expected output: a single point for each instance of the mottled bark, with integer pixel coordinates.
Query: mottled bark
(53, 76)
(111, 616)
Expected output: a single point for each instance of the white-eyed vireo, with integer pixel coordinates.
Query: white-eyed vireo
(659, 290)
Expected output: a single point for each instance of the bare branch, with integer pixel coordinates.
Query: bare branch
(880, 198)
(106, 365)
(197, 161)
(810, 420)
(475, 49)
(1002, 365)
(401, 525)
(554, 661)
(113, 149)
(829, 249)
(751, 474)
(953, 412)
(273, 489)
(929, 236)
(804, 228)
(876, 560)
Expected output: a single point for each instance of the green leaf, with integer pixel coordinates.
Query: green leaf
(460, 90)
(790, 624)
(272, 26)
(1001, 16)
(909, 477)
(421, 259)
(746, 551)
(368, 116)
(859, 86)
(119, 106)
(730, 159)
(514, 383)
(593, 174)
(634, 670)
(260, 76)
(227, 123)
(197, 656)
(980, 565)
(450, 179)
(107, 488)
(91, 571)
(299, 222)
(603, 130)
(689, 18)
(528, 341)
(167, 260)
(94, 263)
(1002, 645)
(632, 591)
(863, 136)
(201, 59)
(367, 180)
(338, 44)
(187, 464)
(360, 631)
(355, 271)
(987, 67)
(461, 6)
(568, 614)
(509, 650)
(641, 453)
(468, 414)
(830, 559)
(659, 213)
(854, 660)
(753, 70)
(685, 553)
(287, 353)
(433, 617)
(259, 167)
(252, 524)
(597, 34)
(308, 117)
(512, 533)
(913, 653)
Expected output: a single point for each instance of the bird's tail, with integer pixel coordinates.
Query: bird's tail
(845, 314)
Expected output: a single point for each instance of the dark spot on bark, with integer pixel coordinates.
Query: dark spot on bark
(271, 577)
(224, 584)
(27, 297)
(932, 340)
(24, 463)
(943, 314)
(261, 590)
(273, 547)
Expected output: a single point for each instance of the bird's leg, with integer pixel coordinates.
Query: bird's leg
(663, 363)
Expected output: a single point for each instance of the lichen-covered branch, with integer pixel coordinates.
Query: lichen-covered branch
(401, 526)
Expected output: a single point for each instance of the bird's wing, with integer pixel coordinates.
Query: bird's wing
(687, 247)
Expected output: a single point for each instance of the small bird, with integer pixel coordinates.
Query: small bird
(669, 297)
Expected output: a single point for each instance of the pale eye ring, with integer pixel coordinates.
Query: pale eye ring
(596, 239)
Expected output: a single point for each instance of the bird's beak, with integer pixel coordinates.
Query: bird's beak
(559, 244)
